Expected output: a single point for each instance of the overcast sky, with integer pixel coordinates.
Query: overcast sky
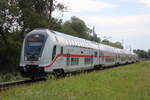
(126, 21)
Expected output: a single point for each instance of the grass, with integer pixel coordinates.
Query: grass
(130, 82)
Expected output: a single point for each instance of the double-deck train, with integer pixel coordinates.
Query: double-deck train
(46, 51)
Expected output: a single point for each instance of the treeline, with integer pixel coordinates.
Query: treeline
(116, 44)
(78, 28)
(18, 17)
(143, 54)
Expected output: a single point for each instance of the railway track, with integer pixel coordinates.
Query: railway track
(7, 85)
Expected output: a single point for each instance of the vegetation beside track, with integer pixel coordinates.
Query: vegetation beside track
(10, 76)
(129, 82)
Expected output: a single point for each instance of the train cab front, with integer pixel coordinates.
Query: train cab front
(33, 47)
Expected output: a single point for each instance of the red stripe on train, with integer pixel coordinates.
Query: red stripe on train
(74, 55)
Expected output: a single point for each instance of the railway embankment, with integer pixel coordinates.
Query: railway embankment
(129, 82)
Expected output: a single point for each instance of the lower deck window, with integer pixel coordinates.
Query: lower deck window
(88, 60)
(123, 59)
(74, 61)
(109, 59)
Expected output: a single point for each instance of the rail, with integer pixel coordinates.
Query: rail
(6, 85)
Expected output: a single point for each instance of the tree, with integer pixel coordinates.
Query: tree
(8, 18)
(38, 14)
(148, 53)
(117, 44)
(142, 53)
(94, 35)
(77, 27)
(105, 41)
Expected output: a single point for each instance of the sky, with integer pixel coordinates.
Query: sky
(125, 21)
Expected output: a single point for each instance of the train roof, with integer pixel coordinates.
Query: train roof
(76, 41)
(65, 38)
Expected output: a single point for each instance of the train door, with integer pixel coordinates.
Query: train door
(119, 58)
(54, 52)
(62, 59)
(102, 57)
(116, 58)
(68, 58)
(92, 55)
(96, 58)
(99, 57)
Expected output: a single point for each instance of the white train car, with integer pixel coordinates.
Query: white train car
(107, 56)
(45, 51)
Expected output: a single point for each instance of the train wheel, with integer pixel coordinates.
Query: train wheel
(97, 67)
(59, 73)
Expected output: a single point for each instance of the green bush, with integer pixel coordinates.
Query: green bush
(5, 77)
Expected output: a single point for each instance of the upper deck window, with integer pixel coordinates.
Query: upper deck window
(34, 44)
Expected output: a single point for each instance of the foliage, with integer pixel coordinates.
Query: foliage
(10, 53)
(117, 44)
(77, 27)
(13, 76)
(8, 18)
(38, 14)
(130, 82)
(143, 53)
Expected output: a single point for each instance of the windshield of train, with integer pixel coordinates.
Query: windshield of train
(34, 44)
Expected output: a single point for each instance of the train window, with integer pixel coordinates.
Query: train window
(74, 61)
(123, 59)
(54, 52)
(109, 59)
(92, 59)
(87, 60)
(95, 53)
(68, 60)
(61, 50)
(34, 44)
